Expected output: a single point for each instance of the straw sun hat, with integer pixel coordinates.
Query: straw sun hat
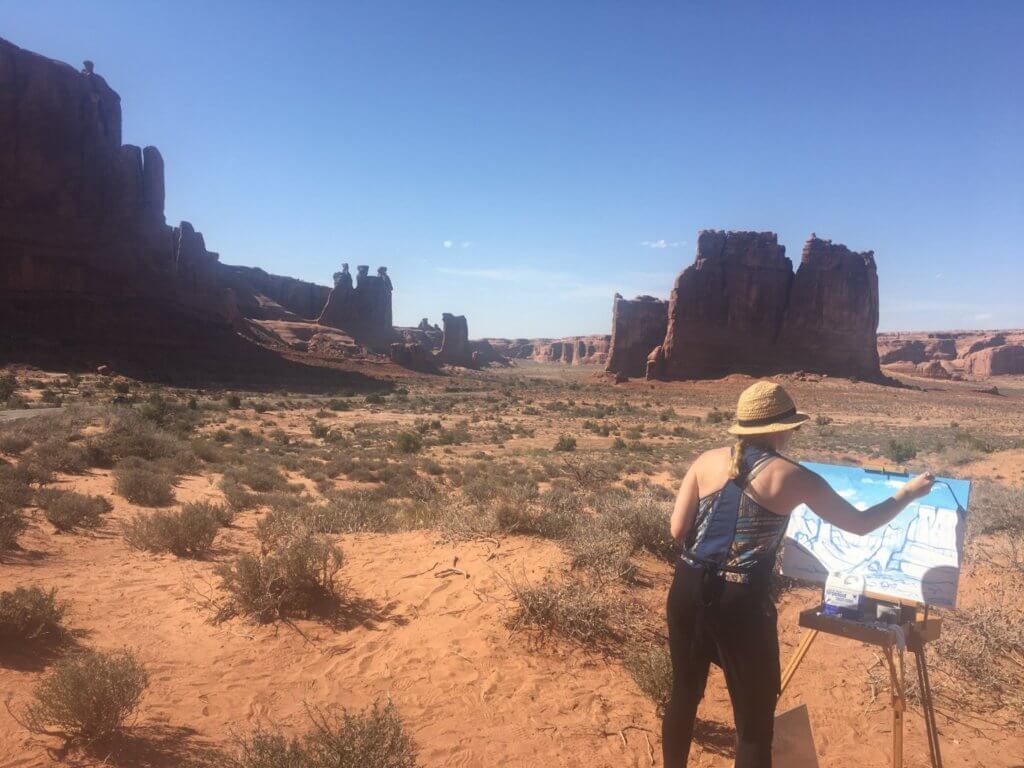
(765, 407)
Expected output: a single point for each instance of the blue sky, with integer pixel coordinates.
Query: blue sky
(520, 162)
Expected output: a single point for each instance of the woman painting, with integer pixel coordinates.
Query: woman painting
(731, 513)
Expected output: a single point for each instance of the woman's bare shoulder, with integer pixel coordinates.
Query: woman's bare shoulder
(713, 457)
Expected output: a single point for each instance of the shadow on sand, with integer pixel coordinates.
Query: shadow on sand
(146, 746)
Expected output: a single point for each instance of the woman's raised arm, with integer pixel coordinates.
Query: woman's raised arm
(833, 508)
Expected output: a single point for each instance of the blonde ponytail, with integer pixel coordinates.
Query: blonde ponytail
(737, 458)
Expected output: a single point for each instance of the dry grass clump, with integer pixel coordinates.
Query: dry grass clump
(187, 532)
(127, 434)
(87, 697)
(59, 455)
(574, 610)
(352, 512)
(13, 443)
(643, 515)
(371, 738)
(144, 483)
(650, 666)
(980, 653)
(995, 508)
(67, 510)
(552, 515)
(12, 525)
(30, 613)
(607, 554)
(296, 577)
(260, 474)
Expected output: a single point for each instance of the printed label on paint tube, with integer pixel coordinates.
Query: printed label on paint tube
(844, 594)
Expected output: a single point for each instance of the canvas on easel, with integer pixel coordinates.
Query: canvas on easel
(915, 559)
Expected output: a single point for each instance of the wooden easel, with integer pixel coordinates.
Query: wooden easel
(917, 630)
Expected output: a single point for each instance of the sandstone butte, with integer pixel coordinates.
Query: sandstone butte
(739, 308)
(82, 230)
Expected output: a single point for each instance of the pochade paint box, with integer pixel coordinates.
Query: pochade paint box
(844, 596)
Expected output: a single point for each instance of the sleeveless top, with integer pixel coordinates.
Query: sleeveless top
(733, 533)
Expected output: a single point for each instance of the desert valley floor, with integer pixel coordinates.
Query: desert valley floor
(505, 562)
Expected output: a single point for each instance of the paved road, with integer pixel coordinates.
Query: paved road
(25, 413)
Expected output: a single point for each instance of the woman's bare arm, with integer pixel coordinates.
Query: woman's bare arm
(833, 508)
(685, 509)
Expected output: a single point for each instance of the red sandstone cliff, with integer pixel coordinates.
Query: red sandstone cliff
(739, 308)
(638, 326)
(84, 247)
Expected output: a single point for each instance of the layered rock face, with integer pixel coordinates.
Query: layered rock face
(739, 308)
(455, 346)
(84, 247)
(262, 296)
(638, 326)
(996, 361)
(363, 309)
(960, 354)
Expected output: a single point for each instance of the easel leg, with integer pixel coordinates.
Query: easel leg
(898, 706)
(798, 656)
(928, 709)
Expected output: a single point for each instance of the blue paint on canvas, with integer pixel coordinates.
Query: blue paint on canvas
(915, 558)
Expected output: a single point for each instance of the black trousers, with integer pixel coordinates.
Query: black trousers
(734, 626)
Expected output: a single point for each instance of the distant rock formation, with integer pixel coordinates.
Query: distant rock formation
(739, 308)
(263, 296)
(455, 346)
(85, 251)
(364, 310)
(1007, 359)
(995, 340)
(638, 326)
(413, 356)
(903, 351)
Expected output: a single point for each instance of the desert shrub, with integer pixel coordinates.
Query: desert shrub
(28, 613)
(606, 553)
(371, 738)
(716, 416)
(15, 488)
(408, 442)
(260, 474)
(127, 434)
(144, 483)
(901, 451)
(650, 666)
(352, 512)
(58, 455)
(189, 531)
(223, 514)
(68, 510)
(233, 402)
(643, 516)
(296, 577)
(565, 443)
(523, 510)
(14, 443)
(574, 610)
(979, 653)
(89, 696)
(208, 451)
(12, 525)
(8, 386)
(237, 497)
(995, 508)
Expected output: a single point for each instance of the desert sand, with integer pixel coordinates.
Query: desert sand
(427, 622)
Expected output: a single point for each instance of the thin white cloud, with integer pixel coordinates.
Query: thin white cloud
(984, 316)
(448, 243)
(468, 243)
(659, 244)
(567, 286)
